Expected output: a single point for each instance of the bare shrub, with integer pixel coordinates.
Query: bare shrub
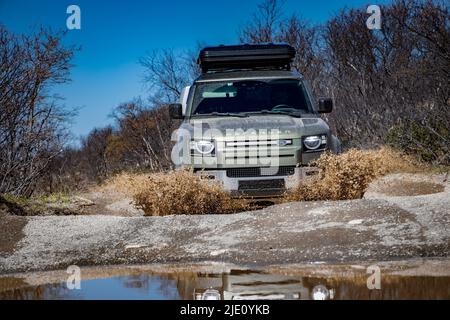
(347, 176)
(175, 192)
(428, 138)
(340, 177)
(181, 192)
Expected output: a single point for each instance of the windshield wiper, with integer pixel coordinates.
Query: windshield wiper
(223, 114)
(292, 114)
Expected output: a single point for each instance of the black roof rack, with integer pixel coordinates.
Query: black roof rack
(246, 57)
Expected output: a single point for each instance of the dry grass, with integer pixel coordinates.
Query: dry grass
(128, 184)
(340, 177)
(175, 192)
(347, 176)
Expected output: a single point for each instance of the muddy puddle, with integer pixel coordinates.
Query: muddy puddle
(236, 284)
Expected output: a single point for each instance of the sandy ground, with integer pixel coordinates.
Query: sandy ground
(387, 225)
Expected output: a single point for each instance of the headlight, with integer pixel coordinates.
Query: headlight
(211, 294)
(314, 142)
(320, 292)
(203, 147)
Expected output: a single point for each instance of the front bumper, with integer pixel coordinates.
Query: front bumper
(261, 186)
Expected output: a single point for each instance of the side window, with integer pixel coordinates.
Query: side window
(290, 93)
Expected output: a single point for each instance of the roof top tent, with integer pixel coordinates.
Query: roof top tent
(246, 57)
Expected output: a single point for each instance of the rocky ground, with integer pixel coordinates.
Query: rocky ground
(401, 217)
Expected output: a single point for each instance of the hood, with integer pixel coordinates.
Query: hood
(254, 122)
(288, 126)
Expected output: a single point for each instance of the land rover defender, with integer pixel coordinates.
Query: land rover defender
(250, 122)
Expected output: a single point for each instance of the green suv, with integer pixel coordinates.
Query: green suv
(250, 122)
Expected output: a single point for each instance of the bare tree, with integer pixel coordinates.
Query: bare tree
(268, 24)
(95, 152)
(265, 23)
(382, 81)
(166, 73)
(32, 123)
(143, 133)
(393, 85)
(306, 40)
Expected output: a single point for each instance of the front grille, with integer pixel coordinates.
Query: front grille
(258, 149)
(255, 185)
(259, 172)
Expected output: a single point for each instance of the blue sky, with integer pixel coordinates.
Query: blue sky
(115, 34)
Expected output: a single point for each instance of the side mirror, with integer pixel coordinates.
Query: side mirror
(175, 111)
(325, 105)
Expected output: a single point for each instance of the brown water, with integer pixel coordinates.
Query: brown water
(236, 284)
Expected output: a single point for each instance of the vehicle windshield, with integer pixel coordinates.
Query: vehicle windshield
(250, 96)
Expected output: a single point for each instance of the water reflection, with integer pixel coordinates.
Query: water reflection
(234, 285)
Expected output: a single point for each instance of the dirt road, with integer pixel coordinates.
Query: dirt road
(385, 225)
